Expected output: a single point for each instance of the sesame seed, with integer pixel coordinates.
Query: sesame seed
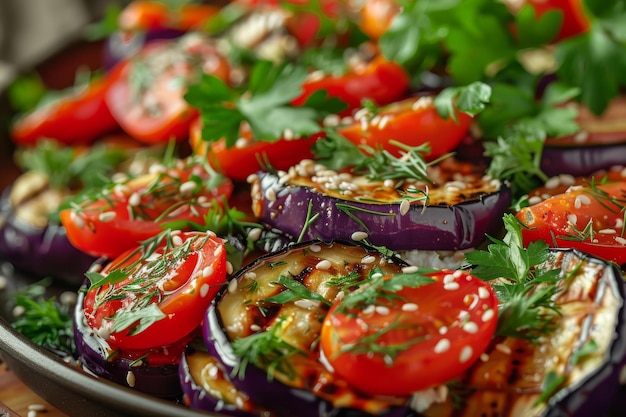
(207, 271)
(359, 236)
(619, 223)
(232, 285)
(377, 275)
(270, 194)
(177, 240)
(382, 310)
(487, 315)
(466, 354)
(383, 121)
(68, 298)
(409, 307)
(572, 218)
(534, 200)
(483, 293)
(368, 259)
(567, 179)
(581, 137)
(470, 327)
(254, 328)
(323, 265)
(241, 143)
(607, 231)
(410, 269)
(620, 240)
(250, 275)
(361, 113)
(448, 278)
(204, 290)
(303, 303)
(443, 330)
(552, 183)
(187, 188)
(130, 379)
(157, 169)
(288, 134)
(370, 309)
(315, 248)
(229, 268)
(134, 200)
(18, 311)
(252, 178)
(443, 345)
(503, 348)
(451, 286)
(107, 216)
(404, 207)
(581, 200)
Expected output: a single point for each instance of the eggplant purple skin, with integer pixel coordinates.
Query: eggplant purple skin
(440, 227)
(198, 398)
(160, 381)
(284, 400)
(581, 161)
(40, 251)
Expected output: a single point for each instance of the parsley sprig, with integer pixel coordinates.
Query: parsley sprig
(266, 105)
(525, 290)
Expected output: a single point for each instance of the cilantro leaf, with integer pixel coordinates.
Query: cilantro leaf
(470, 99)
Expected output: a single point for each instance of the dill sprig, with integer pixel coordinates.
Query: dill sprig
(525, 290)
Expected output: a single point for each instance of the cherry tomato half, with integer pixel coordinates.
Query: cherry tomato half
(180, 277)
(589, 218)
(143, 15)
(574, 19)
(146, 96)
(375, 16)
(79, 117)
(414, 122)
(137, 209)
(424, 337)
(247, 156)
(381, 81)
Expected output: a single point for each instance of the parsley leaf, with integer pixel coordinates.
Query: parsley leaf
(525, 290)
(137, 320)
(294, 290)
(470, 99)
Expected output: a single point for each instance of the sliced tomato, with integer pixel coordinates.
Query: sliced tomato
(179, 276)
(412, 121)
(249, 156)
(137, 209)
(375, 16)
(146, 96)
(586, 217)
(422, 338)
(381, 81)
(78, 117)
(575, 20)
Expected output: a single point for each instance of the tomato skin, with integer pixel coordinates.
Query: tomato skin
(240, 161)
(78, 118)
(104, 227)
(551, 221)
(439, 347)
(575, 21)
(381, 81)
(375, 17)
(412, 125)
(185, 291)
(173, 116)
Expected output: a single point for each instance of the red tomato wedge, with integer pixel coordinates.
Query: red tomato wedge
(79, 117)
(375, 16)
(574, 19)
(423, 337)
(414, 122)
(247, 156)
(147, 91)
(135, 210)
(160, 290)
(589, 218)
(381, 81)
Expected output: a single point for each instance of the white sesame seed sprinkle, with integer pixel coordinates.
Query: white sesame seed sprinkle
(315, 248)
(187, 187)
(232, 286)
(204, 290)
(470, 327)
(410, 269)
(177, 240)
(382, 310)
(466, 354)
(443, 345)
(304, 303)
(359, 236)
(250, 275)
(409, 307)
(581, 200)
(607, 231)
(483, 293)
(488, 315)
(323, 265)
(130, 379)
(572, 218)
(620, 240)
(370, 309)
(107, 216)
(229, 268)
(448, 278)
(443, 330)
(451, 286)
(255, 327)
(207, 271)
(404, 207)
(368, 259)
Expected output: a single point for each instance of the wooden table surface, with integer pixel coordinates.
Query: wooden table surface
(18, 398)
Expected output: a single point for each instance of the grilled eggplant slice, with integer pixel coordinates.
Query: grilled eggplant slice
(453, 214)
(300, 385)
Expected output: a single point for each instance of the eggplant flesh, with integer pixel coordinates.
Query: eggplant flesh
(400, 215)
(206, 386)
(304, 386)
(509, 380)
(30, 241)
(98, 358)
